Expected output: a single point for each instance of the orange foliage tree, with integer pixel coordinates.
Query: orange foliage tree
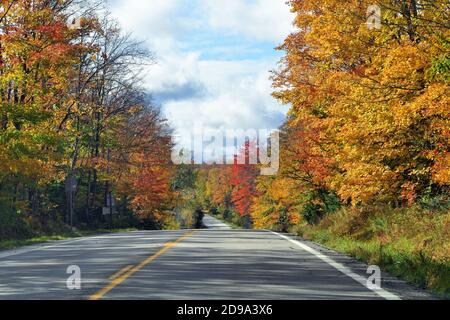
(372, 103)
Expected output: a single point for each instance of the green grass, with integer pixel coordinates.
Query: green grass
(17, 243)
(409, 242)
(399, 259)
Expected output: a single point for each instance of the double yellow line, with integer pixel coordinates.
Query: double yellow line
(128, 271)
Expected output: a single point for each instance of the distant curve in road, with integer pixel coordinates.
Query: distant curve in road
(215, 224)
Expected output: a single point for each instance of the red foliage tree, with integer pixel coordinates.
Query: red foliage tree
(243, 182)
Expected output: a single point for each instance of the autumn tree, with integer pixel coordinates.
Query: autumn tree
(218, 185)
(37, 52)
(149, 165)
(72, 104)
(276, 205)
(375, 100)
(243, 180)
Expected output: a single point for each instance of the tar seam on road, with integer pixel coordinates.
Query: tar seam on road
(124, 275)
(57, 243)
(381, 292)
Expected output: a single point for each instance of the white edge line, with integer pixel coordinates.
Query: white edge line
(363, 281)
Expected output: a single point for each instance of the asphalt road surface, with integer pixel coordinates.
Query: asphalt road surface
(214, 263)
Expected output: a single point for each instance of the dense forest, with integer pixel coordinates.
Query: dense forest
(81, 142)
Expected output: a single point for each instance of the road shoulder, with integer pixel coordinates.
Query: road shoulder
(397, 286)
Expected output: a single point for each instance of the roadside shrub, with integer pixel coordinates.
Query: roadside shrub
(319, 203)
(13, 225)
(441, 202)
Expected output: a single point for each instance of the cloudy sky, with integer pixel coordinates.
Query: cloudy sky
(213, 58)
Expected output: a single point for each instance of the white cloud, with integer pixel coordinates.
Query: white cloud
(217, 93)
(258, 19)
(238, 97)
(146, 18)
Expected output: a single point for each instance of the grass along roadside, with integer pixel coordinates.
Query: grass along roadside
(410, 243)
(17, 243)
(410, 266)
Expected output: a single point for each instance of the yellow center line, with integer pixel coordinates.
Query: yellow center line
(124, 275)
(120, 272)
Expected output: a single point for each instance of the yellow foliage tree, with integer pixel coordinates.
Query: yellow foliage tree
(377, 98)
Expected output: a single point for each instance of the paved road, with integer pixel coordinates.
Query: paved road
(212, 223)
(200, 264)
